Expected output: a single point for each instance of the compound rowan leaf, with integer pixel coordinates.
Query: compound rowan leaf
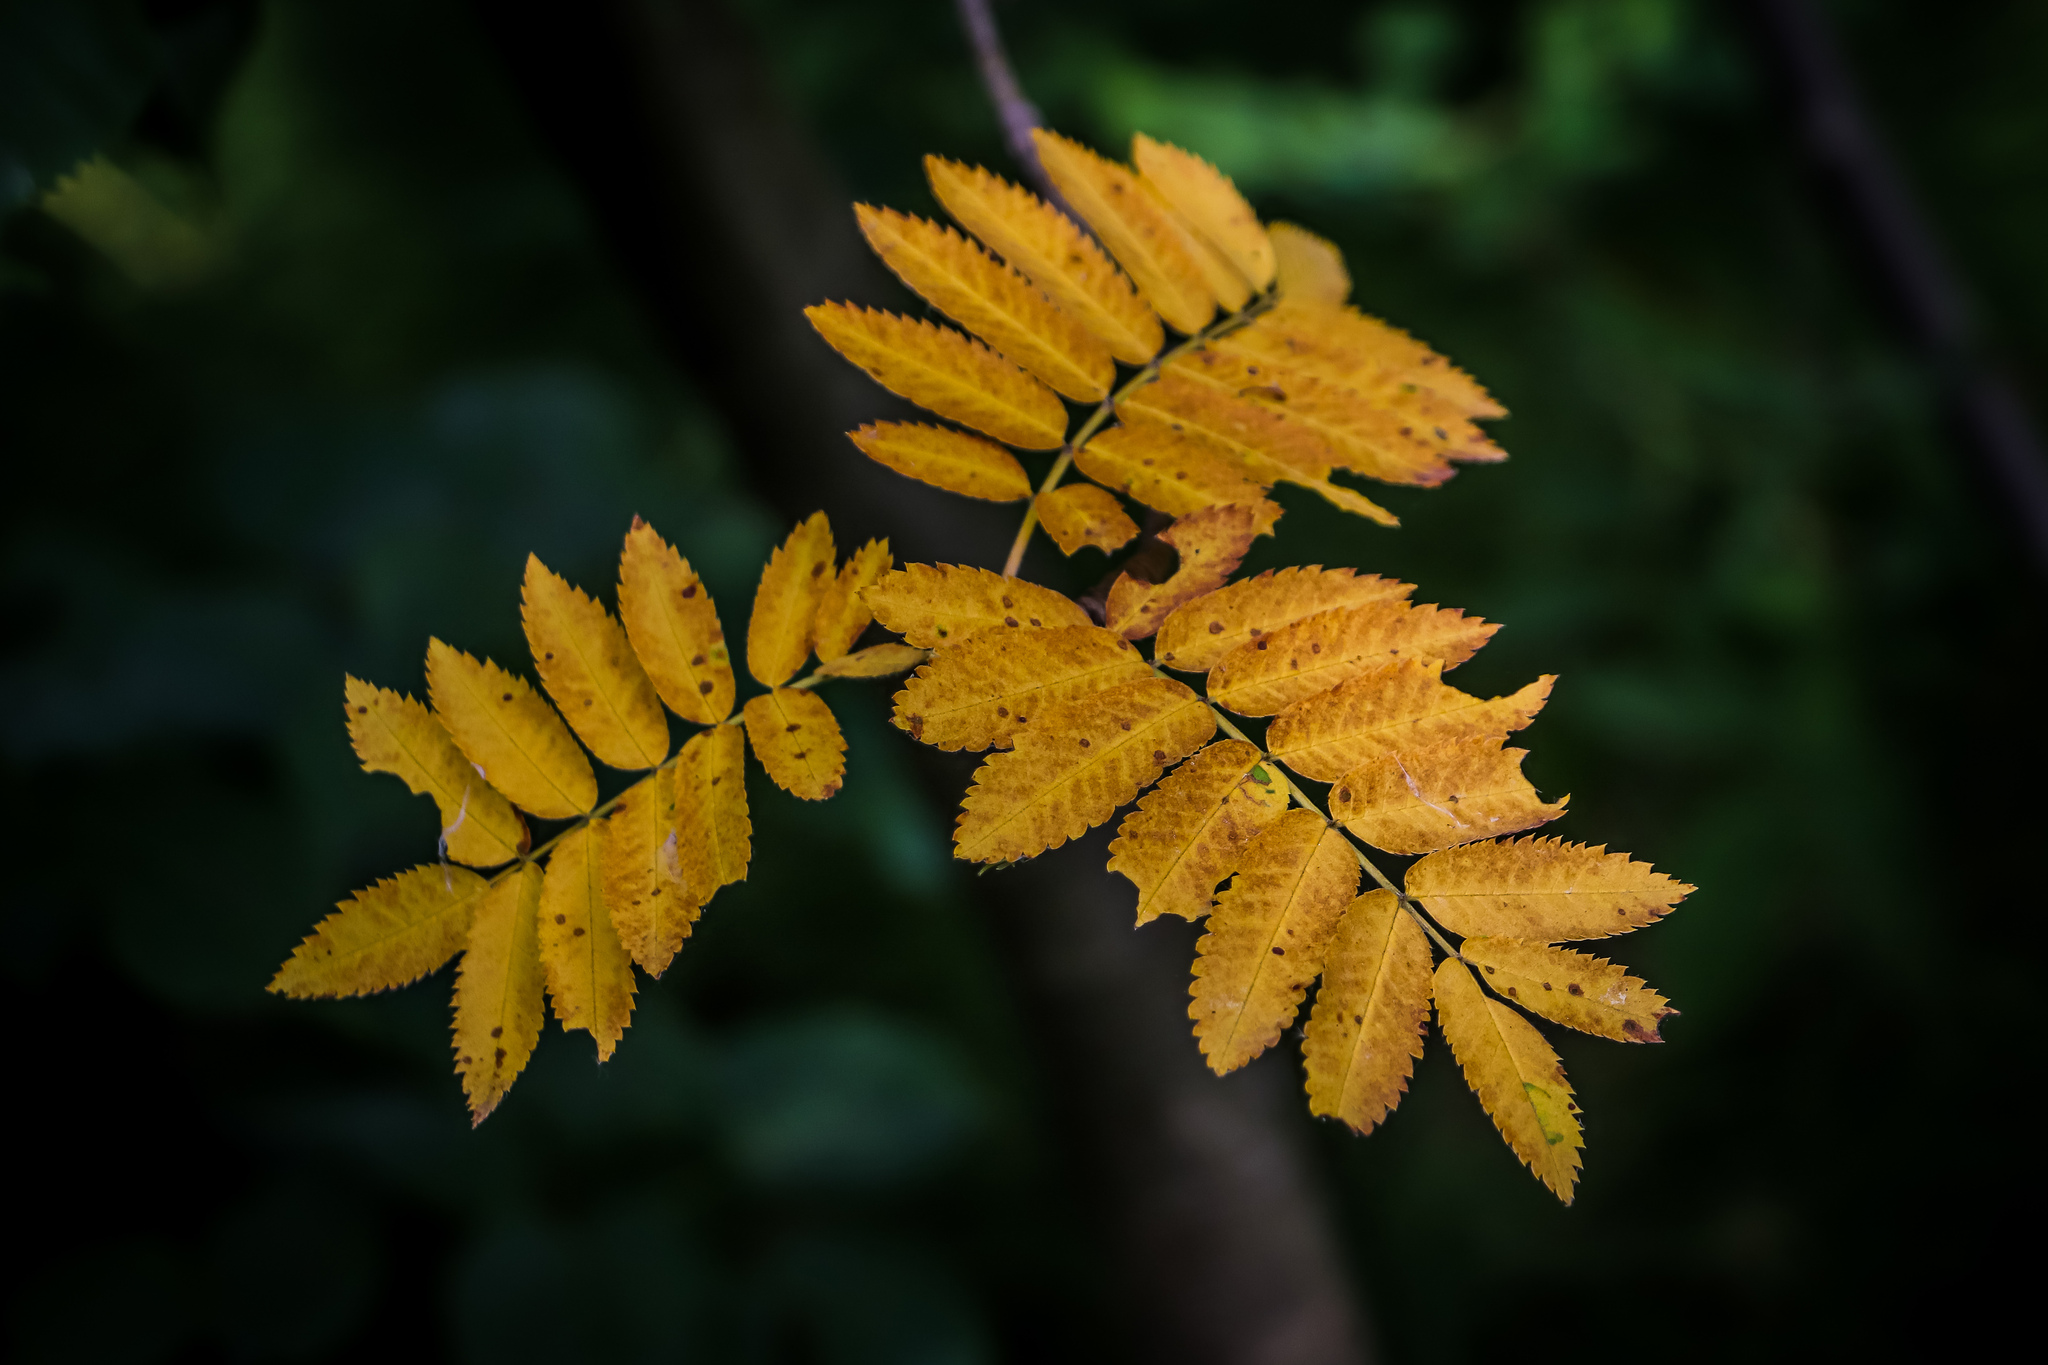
(935, 605)
(1057, 256)
(1347, 428)
(1401, 707)
(1188, 832)
(498, 1005)
(1515, 1074)
(1196, 637)
(1267, 443)
(1433, 799)
(1137, 227)
(589, 975)
(1210, 543)
(1308, 268)
(651, 910)
(842, 615)
(1082, 514)
(1207, 199)
(1264, 676)
(1541, 890)
(1575, 989)
(591, 671)
(386, 935)
(509, 734)
(1365, 1033)
(945, 458)
(673, 627)
(980, 694)
(395, 734)
(876, 661)
(1341, 345)
(1266, 937)
(793, 584)
(797, 739)
(1257, 440)
(946, 371)
(1151, 464)
(992, 301)
(1074, 765)
(714, 837)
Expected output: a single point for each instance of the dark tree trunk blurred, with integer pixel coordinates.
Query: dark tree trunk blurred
(724, 216)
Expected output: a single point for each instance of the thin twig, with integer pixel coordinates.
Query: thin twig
(1014, 109)
(1901, 245)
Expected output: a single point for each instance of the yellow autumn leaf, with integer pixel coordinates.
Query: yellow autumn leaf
(1198, 634)
(1365, 1033)
(1209, 408)
(1082, 514)
(1266, 937)
(797, 739)
(395, 734)
(514, 739)
(1264, 676)
(1189, 831)
(652, 912)
(980, 694)
(1307, 268)
(1256, 440)
(1207, 199)
(1148, 462)
(1575, 989)
(1401, 707)
(589, 975)
(1433, 799)
(1136, 226)
(1347, 428)
(673, 627)
(1074, 765)
(1211, 543)
(992, 301)
(1541, 890)
(786, 602)
(1515, 1074)
(1050, 249)
(1341, 345)
(498, 1005)
(384, 936)
(946, 371)
(714, 836)
(876, 661)
(842, 615)
(945, 458)
(936, 605)
(591, 671)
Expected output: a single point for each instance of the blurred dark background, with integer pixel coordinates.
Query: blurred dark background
(356, 313)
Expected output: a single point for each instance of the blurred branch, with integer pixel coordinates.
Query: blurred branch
(721, 210)
(1902, 247)
(1014, 109)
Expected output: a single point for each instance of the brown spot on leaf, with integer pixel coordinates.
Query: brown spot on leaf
(690, 591)
(1575, 989)
(1215, 627)
(703, 689)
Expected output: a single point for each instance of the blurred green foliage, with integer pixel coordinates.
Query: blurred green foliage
(1792, 633)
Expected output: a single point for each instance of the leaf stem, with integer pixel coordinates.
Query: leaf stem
(1302, 799)
(1106, 409)
(597, 813)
